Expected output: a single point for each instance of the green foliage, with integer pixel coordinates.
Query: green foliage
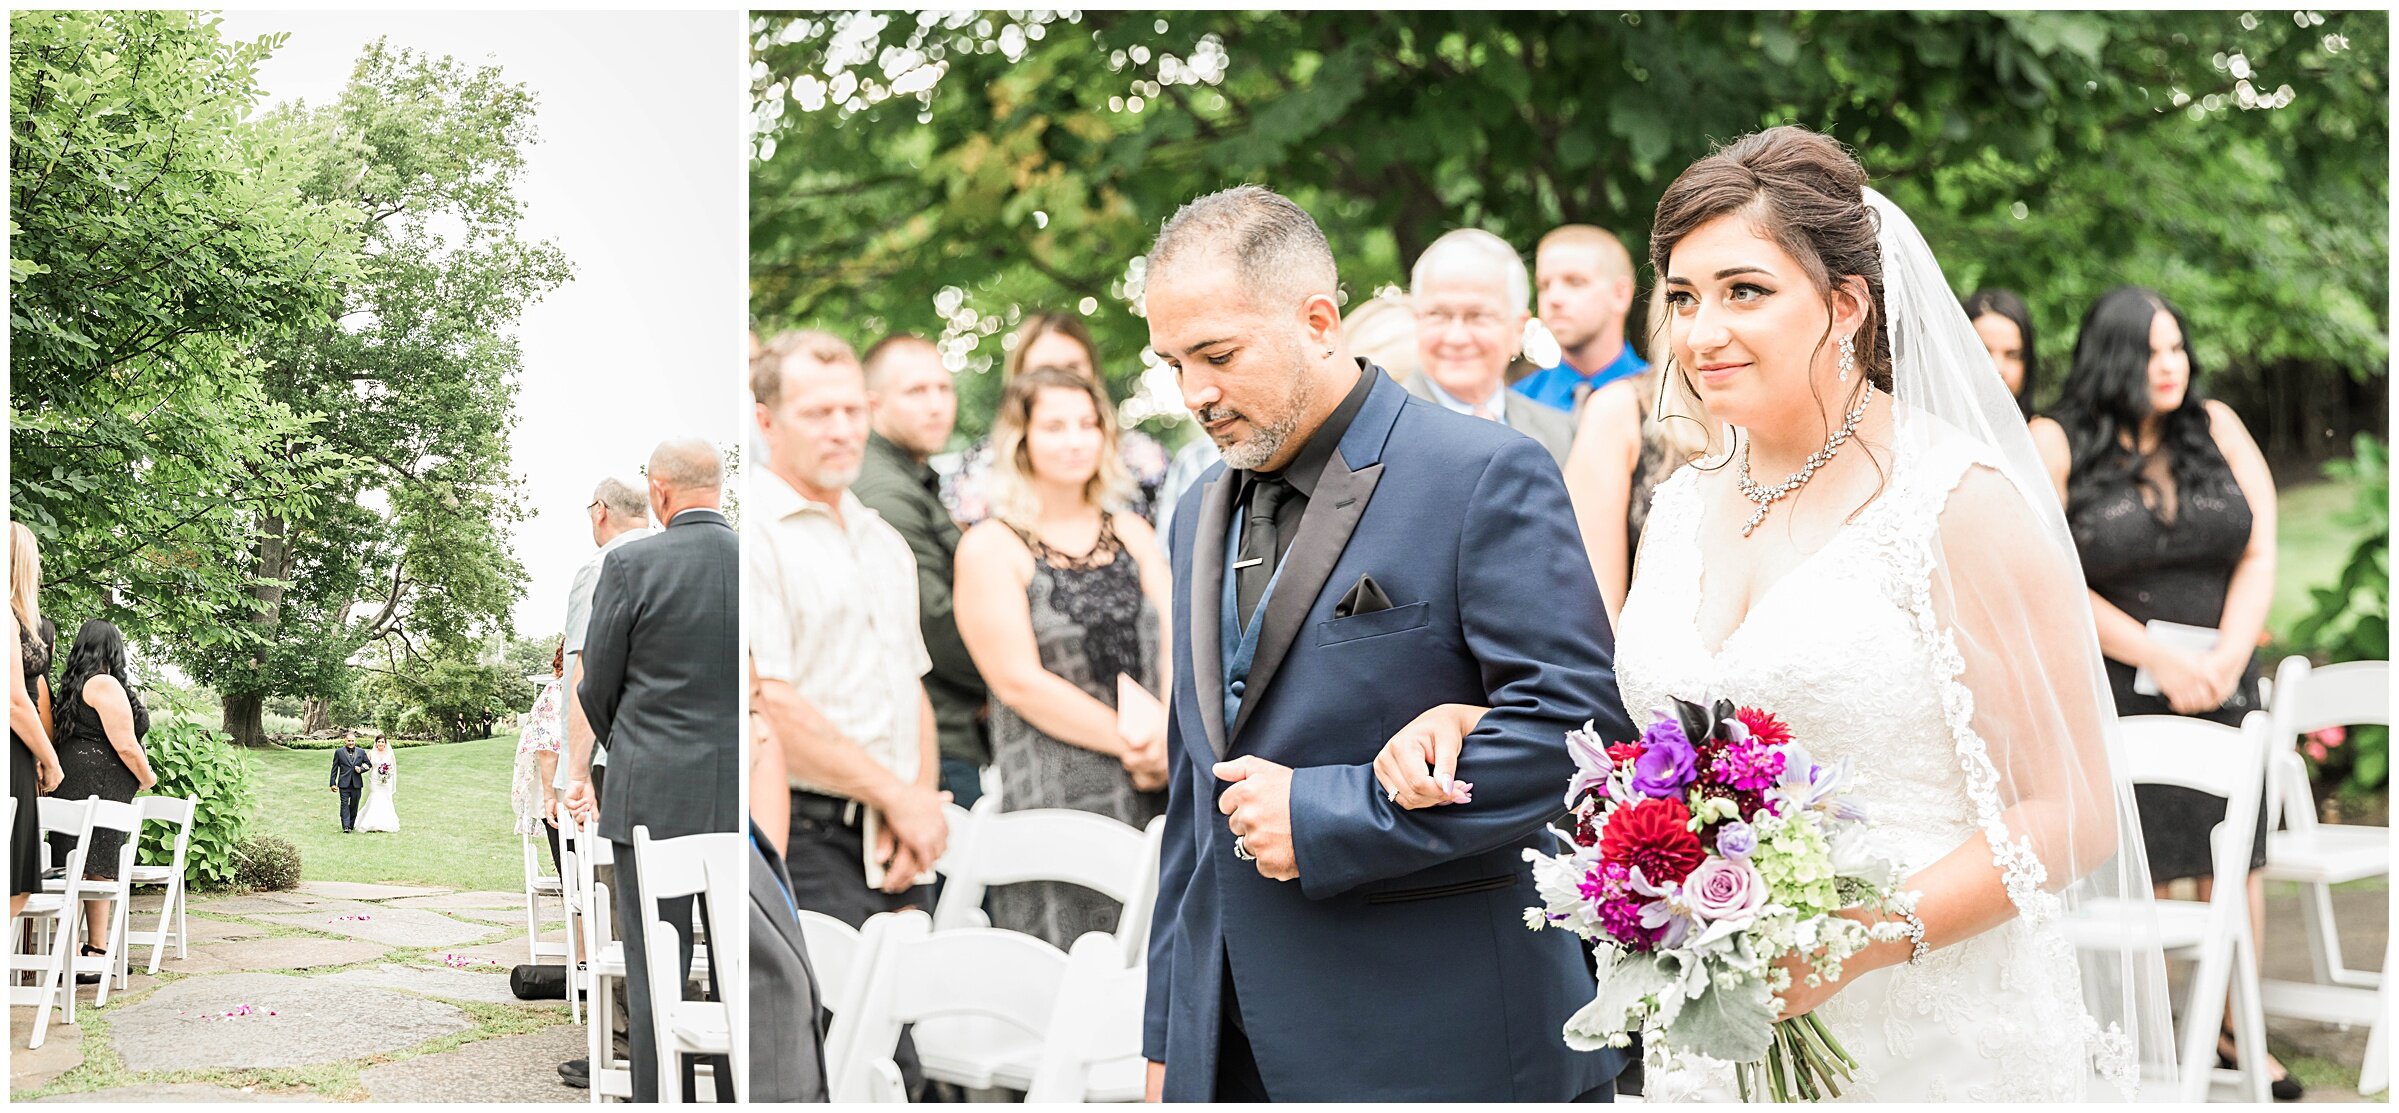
(944, 172)
(192, 760)
(267, 863)
(2352, 616)
(451, 696)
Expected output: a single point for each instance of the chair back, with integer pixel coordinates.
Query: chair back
(1098, 1020)
(2213, 758)
(2307, 699)
(1044, 844)
(920, 974)
(179, 811)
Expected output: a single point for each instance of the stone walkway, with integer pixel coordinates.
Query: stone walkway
(338, 992)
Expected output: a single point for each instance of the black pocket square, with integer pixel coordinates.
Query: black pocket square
(1365, 597)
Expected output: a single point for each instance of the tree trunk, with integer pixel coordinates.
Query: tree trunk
(316, 715)
(245, 720)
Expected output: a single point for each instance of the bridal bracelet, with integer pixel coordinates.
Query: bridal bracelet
(1915, 933)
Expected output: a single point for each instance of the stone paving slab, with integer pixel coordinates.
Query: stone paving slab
(399, 927)
(263, 904)
(61, 1050)
(451, 902)
(506, 953)
(474, 983)
(314, 1021)
(205, 930)
(360, 890)
(152, 1092)
(282, 952)
(511, 1068)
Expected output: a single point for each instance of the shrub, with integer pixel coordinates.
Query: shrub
(267, 862)
(2351, 619)
(192, 760)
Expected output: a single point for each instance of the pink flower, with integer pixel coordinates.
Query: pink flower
(1721, 889)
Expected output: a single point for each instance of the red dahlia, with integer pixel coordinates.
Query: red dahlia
(1764, 727)
(1654, 836)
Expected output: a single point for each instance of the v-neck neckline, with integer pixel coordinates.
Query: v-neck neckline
(1699, 571)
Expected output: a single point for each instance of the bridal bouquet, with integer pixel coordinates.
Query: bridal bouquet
(1704, 852)
(383, 773)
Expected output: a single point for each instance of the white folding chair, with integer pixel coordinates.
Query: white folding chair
(2318, 856)
(570, 898)
(2375, 1076)
(172, 924)
(702, 866)
(42, 938)
(2228, 762)
(538, 885)
(1093, 1053)
(841, 956)
(115, 968)
(611, 1077)
(920, 975)
(1055, 844)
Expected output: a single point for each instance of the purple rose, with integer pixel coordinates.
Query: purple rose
(1735, 840)
(1724, 890)
(1668, 762)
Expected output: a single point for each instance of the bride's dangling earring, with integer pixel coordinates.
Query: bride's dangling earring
(1849, 356)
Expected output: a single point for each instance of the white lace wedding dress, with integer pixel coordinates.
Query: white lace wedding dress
(381, 811)
(1847, 649)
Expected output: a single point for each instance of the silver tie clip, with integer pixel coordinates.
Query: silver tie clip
(1238, 565)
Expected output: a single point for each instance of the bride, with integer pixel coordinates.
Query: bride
(381, 812)
(1877, 560)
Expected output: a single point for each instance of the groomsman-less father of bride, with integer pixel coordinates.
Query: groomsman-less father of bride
(1360, 557)
(348, 777)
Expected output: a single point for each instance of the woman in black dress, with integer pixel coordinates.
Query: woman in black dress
(100, 728)
(32, 763)
(2172, 507)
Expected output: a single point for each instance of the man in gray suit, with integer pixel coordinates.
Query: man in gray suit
(1470, 290)
(661, 687)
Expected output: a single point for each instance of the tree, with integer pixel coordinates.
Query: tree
(158, 238)
(944, 172)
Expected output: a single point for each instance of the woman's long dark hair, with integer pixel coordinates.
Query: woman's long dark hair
(99, 649)
(2010, 305)
(2106, 400)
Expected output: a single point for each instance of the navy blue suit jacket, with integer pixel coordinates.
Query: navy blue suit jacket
(1398, 966)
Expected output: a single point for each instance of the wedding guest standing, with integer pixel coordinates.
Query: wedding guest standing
(1625, 442)
(2003, 321)
(1469, 290)
(529, 793)
(2172, 508)
(662, 691)
(1057, 340)
(912, 408)
(1061, 598)
(100, 727)
(829, 589)
(32, 763)
(1584, 278)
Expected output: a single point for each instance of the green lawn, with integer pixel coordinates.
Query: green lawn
(2312, 547)
(454, 818)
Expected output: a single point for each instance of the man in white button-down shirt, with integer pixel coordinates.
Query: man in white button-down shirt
(829, 590)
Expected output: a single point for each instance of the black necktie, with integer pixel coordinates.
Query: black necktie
(1254, 568)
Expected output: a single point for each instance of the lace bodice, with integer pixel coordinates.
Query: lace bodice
(1845, 647)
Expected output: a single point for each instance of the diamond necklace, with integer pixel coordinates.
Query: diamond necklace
(1766, 497)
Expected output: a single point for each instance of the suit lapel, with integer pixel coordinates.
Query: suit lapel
(1333, 513)
(1207, 587)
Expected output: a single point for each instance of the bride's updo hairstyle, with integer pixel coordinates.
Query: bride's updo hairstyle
(1806, 193)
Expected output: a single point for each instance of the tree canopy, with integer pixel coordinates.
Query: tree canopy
(946, 172)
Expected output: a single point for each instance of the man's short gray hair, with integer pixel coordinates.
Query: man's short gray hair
(687, 463)
(1275, 245)
(622, 499)
(1473, 247)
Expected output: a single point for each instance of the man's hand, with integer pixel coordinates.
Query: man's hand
(580, 802)
(1258, 810)
(913, 820)
(900, 868)
(1153, 1089)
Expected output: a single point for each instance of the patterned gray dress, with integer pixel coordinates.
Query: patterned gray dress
(1091, 622)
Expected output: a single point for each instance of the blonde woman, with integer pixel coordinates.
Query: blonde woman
(1059, 340)
(1626, 440)
(32, 763)
(1061, 599)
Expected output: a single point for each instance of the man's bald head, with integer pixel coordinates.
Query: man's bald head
(1278, 253)
(685, 472)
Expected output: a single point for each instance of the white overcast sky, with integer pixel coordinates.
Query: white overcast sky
(637, 175)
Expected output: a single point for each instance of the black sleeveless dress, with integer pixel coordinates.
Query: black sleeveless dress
(24, 785)
(2157, 553)
(93, 768)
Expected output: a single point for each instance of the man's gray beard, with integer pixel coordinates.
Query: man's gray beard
(1253, 453)
(831, 479)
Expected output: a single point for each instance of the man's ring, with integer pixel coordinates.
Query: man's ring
(1241, 850)
(1393, 794)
